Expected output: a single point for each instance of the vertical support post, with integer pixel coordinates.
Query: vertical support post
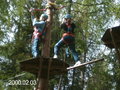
(43, 81)
(46, 46)
(113, 40)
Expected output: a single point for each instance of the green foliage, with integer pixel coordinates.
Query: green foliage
(91, 18)
(100, 78)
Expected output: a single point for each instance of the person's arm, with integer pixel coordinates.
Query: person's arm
(32, 17)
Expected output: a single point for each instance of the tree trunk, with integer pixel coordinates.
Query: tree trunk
(43, 83)
(69, 7)
(46, 46)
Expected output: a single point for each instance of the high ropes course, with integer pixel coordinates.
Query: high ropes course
(45, 67)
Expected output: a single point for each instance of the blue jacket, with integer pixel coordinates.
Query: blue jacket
(39, 25)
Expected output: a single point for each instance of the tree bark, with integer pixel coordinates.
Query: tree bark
(46, 46)
(43, 83)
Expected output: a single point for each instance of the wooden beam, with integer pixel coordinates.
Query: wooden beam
(109, 42)
(114, 43)
(86, 63)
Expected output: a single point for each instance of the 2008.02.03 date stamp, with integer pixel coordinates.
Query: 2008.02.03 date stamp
(22, 82)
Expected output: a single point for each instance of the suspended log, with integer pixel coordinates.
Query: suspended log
(83, 64)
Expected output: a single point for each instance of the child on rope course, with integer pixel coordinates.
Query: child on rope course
(39, 32)
(39, 28)
(68, 38)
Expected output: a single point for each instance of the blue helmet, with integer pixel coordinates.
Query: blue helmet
(44, 16)
(67, 16)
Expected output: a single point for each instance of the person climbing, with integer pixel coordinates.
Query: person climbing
(68, 38)
(39, 26)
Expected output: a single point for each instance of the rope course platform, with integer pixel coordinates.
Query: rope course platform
(111, 37)
(55, 66)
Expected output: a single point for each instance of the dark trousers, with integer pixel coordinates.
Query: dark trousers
(35, 47)
(60, 43)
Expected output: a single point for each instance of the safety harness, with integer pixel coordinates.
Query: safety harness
(39, 35)
(68, 37)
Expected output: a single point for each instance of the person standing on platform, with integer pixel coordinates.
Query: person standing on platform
(39, 26)
(68, 38)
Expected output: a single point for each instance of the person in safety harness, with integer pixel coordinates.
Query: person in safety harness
(68, 38)
(39, 26)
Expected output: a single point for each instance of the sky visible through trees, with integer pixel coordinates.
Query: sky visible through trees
(92, 18)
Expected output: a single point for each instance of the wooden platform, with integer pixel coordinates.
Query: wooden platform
(107, 39)
(57, 66)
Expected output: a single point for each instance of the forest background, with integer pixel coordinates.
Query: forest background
(92, 18)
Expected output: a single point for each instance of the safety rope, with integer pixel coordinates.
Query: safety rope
(46, 9)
